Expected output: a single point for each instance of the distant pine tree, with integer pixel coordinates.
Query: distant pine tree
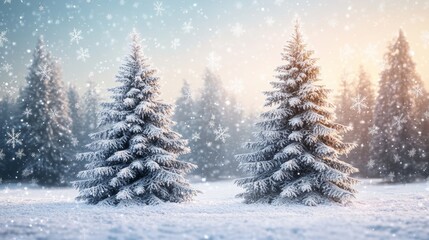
(209, 150)
(397, 147)
(47, 130)
(363, 110)
(295, 157)
(134, 158)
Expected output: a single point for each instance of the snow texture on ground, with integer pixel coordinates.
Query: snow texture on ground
(379, 212)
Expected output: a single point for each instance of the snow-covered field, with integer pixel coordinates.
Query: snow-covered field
(379, 212)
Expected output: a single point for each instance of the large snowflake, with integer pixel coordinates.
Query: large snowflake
(75, 36)
(237, 30)
(44, 71)
(221, 134)
(83, 54)
(213, 61)
(13, 138)
(398, 121)
(159, 9)
(359, 103)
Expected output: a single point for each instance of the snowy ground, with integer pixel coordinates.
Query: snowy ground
(379, 212)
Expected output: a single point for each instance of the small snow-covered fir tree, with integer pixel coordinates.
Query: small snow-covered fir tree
(134, 157)
(397, 147)
(296, 155)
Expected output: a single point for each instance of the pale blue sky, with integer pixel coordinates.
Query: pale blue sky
(244, 37)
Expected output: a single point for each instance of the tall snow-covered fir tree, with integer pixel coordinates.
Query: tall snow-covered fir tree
(397, 147)
(295, 158)
(46, 121)
(134, 157)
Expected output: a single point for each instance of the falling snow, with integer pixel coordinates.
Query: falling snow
(83, 54)
(13, 138)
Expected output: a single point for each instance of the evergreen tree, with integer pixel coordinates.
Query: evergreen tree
(295, 157)
(363, 106)
(397, 146)
(76, 115)
(47, 129)
(209, 150)
(134, 158)
(9, 162)
(344, 104)
(90, 108)
(184, 112)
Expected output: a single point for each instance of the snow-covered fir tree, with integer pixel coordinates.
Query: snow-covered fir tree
(184, 113)
(134, 157)
(295, 157)
(90, 108)
(47, 129)
(76, 115)
(212, 132)
(397, 145)
(363, 110)
(343, 103)
(10, 165)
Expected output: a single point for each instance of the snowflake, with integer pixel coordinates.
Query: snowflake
(391, 175)
(359, 103)
(175, 43)
(54, 113)
(211, 124)
(417, 91)
(370, 163)
(213, 117)
(3, 38)
(33, 155)
(44, 71)
(237, 30)
(2, 155)
(221, 134)
(269, 21)
(373, 130)
(412, 152)
(398, 121)
(396, 158)
(159, 9)
(75, 36)
(20, 153)
(6, 67)
(27, 112)
(196, 136)
(82, 54)
(14, 138)
(74, 142)
(7, 1)
(187, 27)
(213, 61)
